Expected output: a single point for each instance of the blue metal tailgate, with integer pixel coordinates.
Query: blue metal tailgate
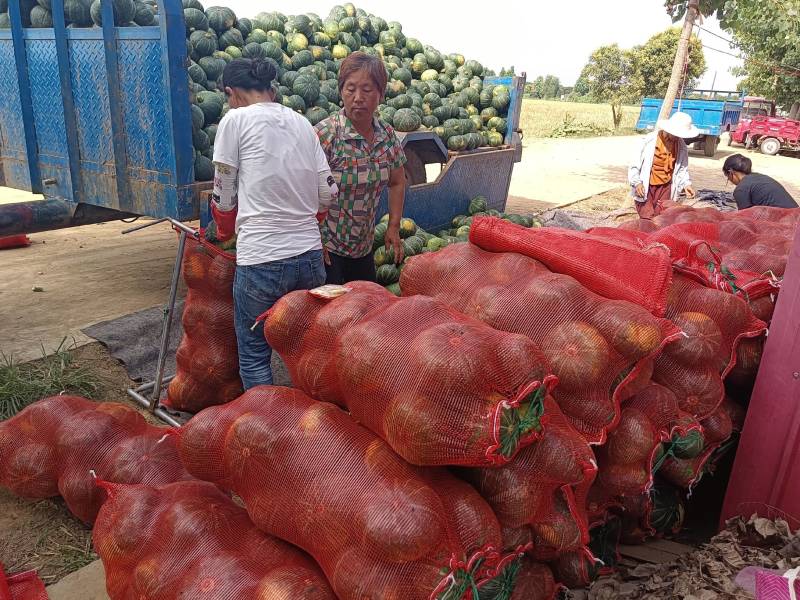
(99, 115)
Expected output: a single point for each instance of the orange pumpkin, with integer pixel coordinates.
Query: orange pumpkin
(578, 353)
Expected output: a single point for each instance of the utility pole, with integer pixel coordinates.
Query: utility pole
(680, 59)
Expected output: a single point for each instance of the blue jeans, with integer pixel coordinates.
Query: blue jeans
(255, 289)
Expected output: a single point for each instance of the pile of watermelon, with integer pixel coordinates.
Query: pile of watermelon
(418, 241)
(427, 88)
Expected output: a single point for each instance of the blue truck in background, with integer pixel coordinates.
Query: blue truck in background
(98, 120)
(714, 113)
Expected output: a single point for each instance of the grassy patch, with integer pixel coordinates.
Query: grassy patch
(22, 384)
(540, 118)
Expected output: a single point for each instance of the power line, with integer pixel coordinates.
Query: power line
(724, 39)
(735, 45)
(792, 71)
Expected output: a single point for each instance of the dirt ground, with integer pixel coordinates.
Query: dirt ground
(559, 171)
(87, 275)
(42, 534)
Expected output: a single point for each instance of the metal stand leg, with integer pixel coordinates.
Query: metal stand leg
(167, 323)
(158, 382)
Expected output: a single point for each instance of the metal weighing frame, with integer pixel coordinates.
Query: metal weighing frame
(153, 404)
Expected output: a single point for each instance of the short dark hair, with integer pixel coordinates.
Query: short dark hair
(739, 163)
(359, 61)
(249, 74)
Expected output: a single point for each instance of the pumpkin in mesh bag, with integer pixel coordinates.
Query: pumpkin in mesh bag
(634, 437)
(687, 470)
(629, 328)
(439, 387)
(699, 389)
(22, 586)
(52, 447)
(378, 527)
(524, 580)
(701, 340)
(748, 360)
(596, 347)
(539, 497)
(207, 359)
(31, 470)
(189, 540)
(578, 353)
(288, 321)
(579, 568)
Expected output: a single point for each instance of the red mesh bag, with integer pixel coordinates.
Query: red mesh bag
(532, 581)
(540, 497)
(659, 512)
(649, 419)
(53, 446)
(310, 475)
(578, 569)
(733, 256)
(748, 359)
(687, 214)
(713, 323)
(755, 241)
(440, 388)
(207, 357)
(189, 540)
(608, 268)
(717, 430)
(23, 586)
(595, 346)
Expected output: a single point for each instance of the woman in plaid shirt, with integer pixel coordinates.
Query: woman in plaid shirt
(365, 156)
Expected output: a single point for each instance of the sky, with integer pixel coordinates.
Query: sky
(536, 37)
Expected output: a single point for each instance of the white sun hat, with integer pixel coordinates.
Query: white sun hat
(680, 125)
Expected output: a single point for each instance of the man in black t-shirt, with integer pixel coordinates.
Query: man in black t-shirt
(754, 189)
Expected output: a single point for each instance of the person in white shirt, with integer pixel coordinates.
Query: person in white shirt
(272, 186)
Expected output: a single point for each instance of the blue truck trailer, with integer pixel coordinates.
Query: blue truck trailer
(98, 120)
(713, 113)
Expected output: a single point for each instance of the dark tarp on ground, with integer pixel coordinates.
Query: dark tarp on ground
(134, 340)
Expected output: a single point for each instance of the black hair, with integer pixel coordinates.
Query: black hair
(249, 74)
(739, 163)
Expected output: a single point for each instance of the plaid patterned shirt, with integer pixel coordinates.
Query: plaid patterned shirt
(362, 172)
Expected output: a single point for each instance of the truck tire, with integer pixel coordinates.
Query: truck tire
(710, 145)
(770, 146)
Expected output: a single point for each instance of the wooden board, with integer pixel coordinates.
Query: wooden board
(655, 551)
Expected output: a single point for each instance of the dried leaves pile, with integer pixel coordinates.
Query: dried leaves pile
(709, 572)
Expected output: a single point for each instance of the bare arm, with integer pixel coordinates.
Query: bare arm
(397, 192)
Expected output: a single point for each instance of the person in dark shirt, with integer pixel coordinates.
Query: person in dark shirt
(754, 189)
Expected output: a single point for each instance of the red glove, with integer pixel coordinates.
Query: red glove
(226, 223)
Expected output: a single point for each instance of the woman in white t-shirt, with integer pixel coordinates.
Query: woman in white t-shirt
(271, 187)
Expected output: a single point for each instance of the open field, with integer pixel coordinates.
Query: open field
(540, 117)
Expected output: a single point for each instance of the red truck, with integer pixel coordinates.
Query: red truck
(759, 127)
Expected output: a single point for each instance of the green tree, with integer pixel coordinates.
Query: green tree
(538, 87)
(768, 34)
(677, 8)
(652, 63)
(581, 85)
(608, 75)
(551, 87)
